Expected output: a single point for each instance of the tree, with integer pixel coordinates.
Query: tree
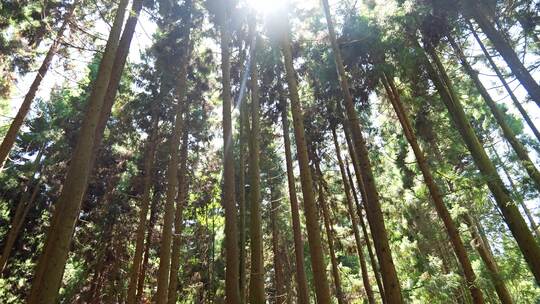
(388, 272)
(15, 126)
(51, 266)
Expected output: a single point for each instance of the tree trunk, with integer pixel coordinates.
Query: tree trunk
(50, 268)
(94, 294)
(436, 196)
(256, 280)
(354, 221)
(172, 177)
(329, 235)
(513, 97)
(392, 288)
(322, 290)
(178, 221)
(518, 197)
(484, 252)
(23, 207)
(148, 165)
(116, 73)
(372, 258)
(508, 133)
(15, 126)
(505, 49)
(244, 121)
(526, 242)
(301, 280)
(148, 244)
(280, 296)
(25, 204)
(232, 292)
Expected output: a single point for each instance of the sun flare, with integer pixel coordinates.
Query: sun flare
(267, 6)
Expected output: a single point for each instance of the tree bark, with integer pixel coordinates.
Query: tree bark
(436, 196)
(505, 49)
(280, 296)
(526, 242)
(148, 244)
(329, 235)
(172, 178)
(148, 165)
(178, 220)
(484, 252)
(244, 128)
(25, 204)
(322, 290)
(354, 221)
(392, 288)
(116, 73)
(50, 268)
(232, 292)
(15, 126)
(513, 97)
(518, 198)
(301, 280)
(507, 132)
(372, 258)
(256, 280)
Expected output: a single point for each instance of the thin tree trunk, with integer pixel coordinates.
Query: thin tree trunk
(392, 288)
(172, 176)
(148, 244)
(322, 290)
(232, 291)
(256, 280)
(354, 221)
(518, 197)
(372, 258)
(301, 280)
(484, 252)
(330, 237)
(244, 121)
(513, 97)
(23, 207)
(436, 196)
(525, 240)
(150, 151)
(25, 204)
(280, 295)
(15, 126)
(505, 49)
(178, 221)
(94, 295)
(50, 268)
(508, 134)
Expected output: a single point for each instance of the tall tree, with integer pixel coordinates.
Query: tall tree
(232, 292)
(49, 271)
(480, 14)
(354, 220)
(15, 126)
(502, 79)
(514, 220)
(148, 164)
(436, 196)
(507, 132)
(301, 280)
(329, 229)
(172, 170)
(392, 288)
(322, 290)
(256, 279)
